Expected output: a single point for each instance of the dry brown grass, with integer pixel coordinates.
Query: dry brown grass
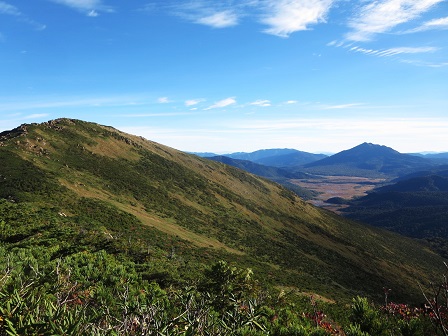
(147, 219)
(347, 187)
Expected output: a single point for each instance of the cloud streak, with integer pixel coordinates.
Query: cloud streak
(394, 51)
(285, 17)
(88, 7)
(221, 19)
(222, 103)
(8, 9)
(215, 15)
(282, 17)
(263, 103)
(382, 16)
(163, 100)
(193, 102)
(438, 24)
(342, 106)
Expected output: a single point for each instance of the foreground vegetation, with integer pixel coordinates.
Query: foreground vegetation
(97, 294)
(63, 275)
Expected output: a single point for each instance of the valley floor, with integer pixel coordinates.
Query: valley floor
(346, 187)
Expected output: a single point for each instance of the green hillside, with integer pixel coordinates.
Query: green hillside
(113, 208)
(415, 207)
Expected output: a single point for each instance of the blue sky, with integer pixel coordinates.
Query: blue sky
(232, 75)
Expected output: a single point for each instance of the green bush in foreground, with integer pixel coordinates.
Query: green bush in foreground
(95, 294)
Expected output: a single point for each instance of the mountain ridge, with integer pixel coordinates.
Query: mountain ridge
(368, 157)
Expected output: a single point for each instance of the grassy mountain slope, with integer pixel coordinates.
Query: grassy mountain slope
(275, 174)
(70, 186)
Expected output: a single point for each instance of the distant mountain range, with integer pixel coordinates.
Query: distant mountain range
(435, 156)
(277, 157)
(364, 160)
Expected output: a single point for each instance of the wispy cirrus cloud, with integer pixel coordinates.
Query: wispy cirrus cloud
(382, 16)
(285, 17)
(222, 19)
(89, 7)
(8, 9)
(342, 106)
(163, 100)
(215, 15)
(192, 102)
(426, 64)
(263, 103)
(441, 23)
(222, 103)
(394, 51)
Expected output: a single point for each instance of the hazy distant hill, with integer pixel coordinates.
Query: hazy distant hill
(278, 157)
(437, 158)
(204, 154)
(69, 189)
(369, 160)
(261, 154)
(432, 155)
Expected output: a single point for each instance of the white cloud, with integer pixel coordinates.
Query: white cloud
(289, 102)
(426, 64)
(221, 19)
(342, 106)
(394, 51)
(8, 9)
(263, 103)
(89, 7)
(285, 17)
(193, 102)
(92, 13)
(163, 100)
(441, 23)
(381, 16)
(212, 14)
(222, 103)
